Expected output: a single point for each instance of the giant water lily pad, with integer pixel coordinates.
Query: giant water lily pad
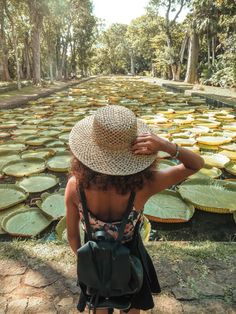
(6, 157)
(61, 230)
(53, 204)
(231, 168)
(38, 182)
(210, 195)
(24, 167)
(60, 162)
(211, 172)
(146, 229)
(169, 207)
(216, 160)
(10, 195)
(17, 147)
(213, 140)
(184, 141)
(231, 147)
(38, 141)
(25, 223)
(7, 211)
(43, 153)
(230, 154)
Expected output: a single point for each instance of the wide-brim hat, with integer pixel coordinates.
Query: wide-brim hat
(103, 141)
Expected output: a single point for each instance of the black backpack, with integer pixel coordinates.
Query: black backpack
(108, 274)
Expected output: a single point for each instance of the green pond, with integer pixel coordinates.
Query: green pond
(35, 160)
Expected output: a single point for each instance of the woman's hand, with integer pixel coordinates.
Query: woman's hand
(147, 144)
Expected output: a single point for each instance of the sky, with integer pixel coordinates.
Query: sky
(121, 11)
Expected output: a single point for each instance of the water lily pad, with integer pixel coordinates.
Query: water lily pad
(17, 147)
(61, 230)
(64, 137)
(4, 135)
(38, 182)
(55, 143)
(25, 223)
(38, 141)
(216, 160)
(168, 206)
(211, 172)
(210, 195)
(43, 153)
(213, 140)
(60, 162)
(145, 229)
(184, 141)
(7, 211)
(6, 157)
(24, 167)
(230, 154)
(231, 167)
(53, 204)
(10, 195)
(231, 147)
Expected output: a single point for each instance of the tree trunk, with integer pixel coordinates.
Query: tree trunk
(37, 21)
(209, 51)
(191, 74)
(4, 72)
(36, 56)
(213, 50)
(51, 69)
(175, 69)
(132, 70)
(27, 58)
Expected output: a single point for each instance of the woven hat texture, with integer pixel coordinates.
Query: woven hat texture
(103, 141)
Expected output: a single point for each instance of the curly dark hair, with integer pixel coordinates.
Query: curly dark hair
(123, 184)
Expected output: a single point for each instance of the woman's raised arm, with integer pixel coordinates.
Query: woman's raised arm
(191, 162)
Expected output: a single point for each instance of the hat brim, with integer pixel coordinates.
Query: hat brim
(103, 160)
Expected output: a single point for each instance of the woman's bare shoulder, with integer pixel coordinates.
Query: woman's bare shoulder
(71, 192)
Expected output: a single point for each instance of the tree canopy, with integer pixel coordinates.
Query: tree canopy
(62, 39)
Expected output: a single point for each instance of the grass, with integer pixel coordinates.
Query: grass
(173, 251)
(192, 250)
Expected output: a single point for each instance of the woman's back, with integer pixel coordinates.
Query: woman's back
(109, 205)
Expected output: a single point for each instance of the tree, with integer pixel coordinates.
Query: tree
(172, 7)
(37, 11)
(193, 52)
(84, 27)
(4, 72)
(139, 37)
(112, 55)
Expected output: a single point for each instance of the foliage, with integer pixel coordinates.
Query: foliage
(71, 41)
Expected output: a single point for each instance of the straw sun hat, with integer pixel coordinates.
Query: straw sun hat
(103, 141)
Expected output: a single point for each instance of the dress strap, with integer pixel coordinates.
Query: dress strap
(124, 220)
(85, 212)
(126, 215)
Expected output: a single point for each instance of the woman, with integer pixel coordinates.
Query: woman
(114, 154)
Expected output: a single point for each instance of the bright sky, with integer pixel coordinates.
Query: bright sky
(122, 11)
(119, 11)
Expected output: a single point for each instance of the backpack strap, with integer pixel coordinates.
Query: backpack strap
(85, 212)
(126, 215)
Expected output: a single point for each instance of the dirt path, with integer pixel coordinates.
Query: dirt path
(196, 278)
(17, 98)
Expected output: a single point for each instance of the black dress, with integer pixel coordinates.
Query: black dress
(143, 299)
